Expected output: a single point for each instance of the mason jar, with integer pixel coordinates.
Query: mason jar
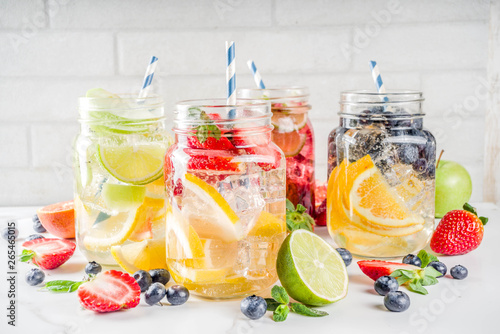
(119, 185)
(381, 172)
(225, 182)
(293, 133)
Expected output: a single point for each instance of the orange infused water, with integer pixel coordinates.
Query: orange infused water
(226, 218)
(380, 195)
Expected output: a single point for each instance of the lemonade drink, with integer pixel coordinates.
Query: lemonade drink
(119, 188)
(293, 133)
(380, 196)
(226, 185)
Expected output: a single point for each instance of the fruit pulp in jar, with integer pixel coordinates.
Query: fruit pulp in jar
(293, 133)
(225, 222)
(120, 192)
(380, 195)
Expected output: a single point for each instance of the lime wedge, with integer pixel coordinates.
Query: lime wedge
(122, 197)
(138, 164)
(311, 271)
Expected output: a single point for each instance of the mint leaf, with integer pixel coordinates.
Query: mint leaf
(429, 280)
(304, 310)
(26, 255)
(416, 286)
(289, 205)
(271, 304)
(62, 286)
(430, 271)
(403, 276)
(281, 313)
(279, 294)
(426, 258)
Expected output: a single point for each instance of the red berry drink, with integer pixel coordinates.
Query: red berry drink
(225, 182)
(293, 133)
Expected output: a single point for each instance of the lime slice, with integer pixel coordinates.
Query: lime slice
(144, 255)
(122, 197)
(138, 164)
(288, 122)
(208, 212)
(310, 270)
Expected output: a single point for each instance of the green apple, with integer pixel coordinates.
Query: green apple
(453, 187)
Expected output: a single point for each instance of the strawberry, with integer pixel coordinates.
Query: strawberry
(210, 143)
(214, 163)
(458, 232)
(320, 202)
(110, 291)
(47, 253)
(376, 268)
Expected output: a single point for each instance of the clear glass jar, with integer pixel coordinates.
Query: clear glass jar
(119, 184)
(381, 170)
(225, 181)
(293, 133)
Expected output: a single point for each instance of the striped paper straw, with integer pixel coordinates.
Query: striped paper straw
(230, 73)
(256, 75)
(378, 78)
(148, 77)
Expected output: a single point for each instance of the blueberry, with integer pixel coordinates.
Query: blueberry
(155, 293)
(397, 301)
(459, 272)
(408, 153)
(412, 259)
(160, 275)
(439, 266)
(34, 236)
(346, 255)
(10, 232)
(385, 284)
(93, 268)
(420, 166)
(253, 307)
(35, 276)
(404, 119)
(177, 295)
(143, 278)
(364, 117)
(37, 225)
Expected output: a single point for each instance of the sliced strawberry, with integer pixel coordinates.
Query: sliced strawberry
(320, 202)
(205, 162)
(211, 143)
(47, 253)
(110, 291)
(376, 268)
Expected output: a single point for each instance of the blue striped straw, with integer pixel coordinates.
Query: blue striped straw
(378, 78)
(148, 77)
(230, 73)
(256, 75)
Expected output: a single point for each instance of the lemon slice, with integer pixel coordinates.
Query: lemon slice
(145, 219)
(267, 225)
(112, 231)
(183, 241)
(144, 255)
(208, 212)
(138, 164)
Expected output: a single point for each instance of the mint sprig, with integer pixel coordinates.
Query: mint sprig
(298, 218)
(281, 306)
(426, 258)
(26, 255)
(207, 129)
(416, 279)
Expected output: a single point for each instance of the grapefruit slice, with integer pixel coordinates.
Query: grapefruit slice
(59, 219)
(291, 143)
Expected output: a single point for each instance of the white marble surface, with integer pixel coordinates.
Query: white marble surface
(468, 306)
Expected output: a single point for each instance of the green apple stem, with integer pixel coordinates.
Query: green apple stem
(439, 159)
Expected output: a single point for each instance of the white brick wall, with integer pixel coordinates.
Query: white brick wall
(52, 51)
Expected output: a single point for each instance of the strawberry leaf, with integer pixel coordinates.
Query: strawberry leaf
(289, 205)
(470, 208)
(298, 218)
(426, 258)
(279, 294)
(483, 220)
(26, 255)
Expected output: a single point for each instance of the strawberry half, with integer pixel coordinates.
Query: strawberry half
(458, 232)
(376, 268)
(110, 291)
(47, 253)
